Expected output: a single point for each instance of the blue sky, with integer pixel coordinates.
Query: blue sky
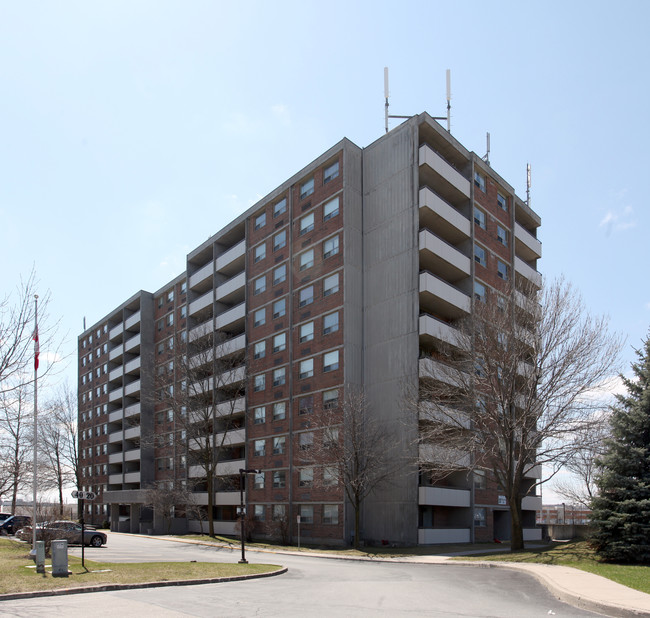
(132, 131)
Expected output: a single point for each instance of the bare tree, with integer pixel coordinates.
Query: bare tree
(16, 441)
(205, 391)
(354, 451)
(58, 443)
(165, 498)
(515, 390)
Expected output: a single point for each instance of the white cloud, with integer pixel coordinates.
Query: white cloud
(618, 220)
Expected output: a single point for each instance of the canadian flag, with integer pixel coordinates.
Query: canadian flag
(37, 348)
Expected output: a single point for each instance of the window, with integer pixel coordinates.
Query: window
(479, 291)
(184, 287)
(306, 440)
(306, 332)
(331, 209)
(258, 480)
(331, 284)
(502, 270)
(330, 172)
(479, 217)
(479, 180)
(279, 342)
(279, 479)
(502, 236)
(260, 221)
(279, 445)
(259, 350)
(259, 383)
(307, 259)
(161, 324)
(480, 480)
(306, 368)
(306, 405)
(479, 255)
(330, 399)
(307, 223)
(330, 247)
(280, 274)
(330, 514)
(480, 517)
(331, 437)
(502, 201)
(280, 207)
(279, 240)
(260, 252)
(279, 308)
(306, 188)
(279, 376)
(259, 513)
(330, 478)
(184, 311)
(306, 296)
(170, 296)
(330, 323)
(260, 285)
(279, 512)
(260, 415)
(259, 318)
(259, 448)
(279, 411)
(306, 514)
(306, 477)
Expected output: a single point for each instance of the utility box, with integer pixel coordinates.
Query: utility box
(40, 556)
(60, 558)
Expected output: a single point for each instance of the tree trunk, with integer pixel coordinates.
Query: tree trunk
(516, 524)
(210, 489)
(357, 512)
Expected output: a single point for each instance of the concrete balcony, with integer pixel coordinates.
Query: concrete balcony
(231, 318)
(201, 303)
(438, 296)
(116, 353)
(226, 378)
(132, 388)
(526, 245)
(438, 536)
(132, 344)
(534, 473)
(232, 261)
(116, 436)
(444, 171)
(441, 258)
(521, 268)
(232, 290)
(115, 395)
(115, 458)
(532, 503)
(201, 330)
(532, 534)
(115, 479)
(443, 496)
(230, 438)
(132, 433)
(200, 276)
(229, 468)
(221, 498)
(432, 328)
(231, 346)
(435, 370)
(132, 321)
(132, 477)
(114, 374)
(439, 215)
(132, 455)
(234, 406)
(428, 411)
(444, 456)
(132, 410)
(115, 415)
(116, 331)
(132, 365)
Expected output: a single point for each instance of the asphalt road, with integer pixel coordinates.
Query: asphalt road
(313, 586)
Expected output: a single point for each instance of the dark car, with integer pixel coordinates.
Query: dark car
(14, 523)
(4, 516)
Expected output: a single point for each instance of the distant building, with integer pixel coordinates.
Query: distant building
(565, 514)
(349, 273)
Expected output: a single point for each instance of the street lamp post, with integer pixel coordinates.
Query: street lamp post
(242, 510)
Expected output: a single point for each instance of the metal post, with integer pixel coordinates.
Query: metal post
(242, 521)
(83, 544)
(35, 480)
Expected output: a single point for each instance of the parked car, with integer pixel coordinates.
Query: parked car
(4, 516)
(70, 531)
(14, 523)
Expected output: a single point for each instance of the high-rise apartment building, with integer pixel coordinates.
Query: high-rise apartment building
(347, 276)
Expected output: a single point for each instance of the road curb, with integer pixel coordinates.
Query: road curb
(112, 587)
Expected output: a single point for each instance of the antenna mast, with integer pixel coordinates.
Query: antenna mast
(528, 185)
(486, 158)
(449, 100)
(386, 96)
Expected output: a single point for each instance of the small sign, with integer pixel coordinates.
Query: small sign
(501, 500)
(84, 495)
(298, 518)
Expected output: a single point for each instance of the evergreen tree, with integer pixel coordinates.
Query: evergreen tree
(621, 512)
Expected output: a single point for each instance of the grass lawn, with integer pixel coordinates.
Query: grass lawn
(579, 555)
(15, 576)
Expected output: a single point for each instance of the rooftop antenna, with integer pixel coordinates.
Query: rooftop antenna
(486, 158)
(449, 100)
(528, 185)
(84, 323)
(386, 97)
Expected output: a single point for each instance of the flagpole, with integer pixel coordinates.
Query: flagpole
(36, 352)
